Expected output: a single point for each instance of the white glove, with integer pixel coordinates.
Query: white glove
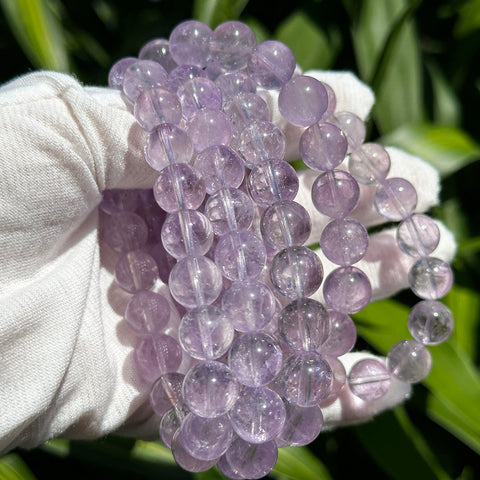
(66, 355)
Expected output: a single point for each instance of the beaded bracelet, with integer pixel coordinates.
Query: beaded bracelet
(264, 354)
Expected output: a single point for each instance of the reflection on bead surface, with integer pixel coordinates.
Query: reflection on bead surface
(136, 271)
(147, 313)
(353, 128)
(245, 108)
(181, 74)
(171, 422)
(190, 43)
(369, 164)
(117, 72)
(418, 235)
(156, 106)
(185, 460)
(430, 278)
(125, 231)
(158, 50)
(209, 127)
(199, 93)
(369, 379)
(142, 75)
(342, 335)
(395, 199)
(166, 392)
(430, 322)
(409, 361)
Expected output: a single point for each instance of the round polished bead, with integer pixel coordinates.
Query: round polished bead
(117, 72)
(430, 322)
(335, 193)
(158, 50)
(168, 144)
(342, 335)
(285, 224)
(195, 281)
(181, 74)
(430, 278)
(303, 100)
(245, 108)
(153, 215)
(304, 324)
(187, 461)
(409, 361)
(157, 355)
(232, 83)
(369, 164)
(353, 128)
(136, 271)
(255, 359)
(344, 241)
(271, 64)
(179, 187)
(395, 199)
(190, 43)
(171, 422)
(347, 290)
(147, 313)
(199, 93)
(142, 75)
(205, 332)
(332, 99)
(418, 235)
(296, 272)
(166, 393)
(339, 380)
(210, 389)
(187, 232)
(125, 231)
(227, 470)
(209, 127)
(250, 305)
(273, 181)
(369, 379)
(117, 200)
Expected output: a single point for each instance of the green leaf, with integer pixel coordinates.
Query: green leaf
(38, 31)
(447, 148)
(152, 452)
(468, 18)
(298, 463)
(213, 12)
(12, 467)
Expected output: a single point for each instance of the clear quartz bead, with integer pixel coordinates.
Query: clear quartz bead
(409, 361)
(430, 278)
(430, 322)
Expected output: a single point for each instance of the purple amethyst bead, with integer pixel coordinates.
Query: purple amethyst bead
(430, 322)
(142, 75)
(369, 379)
(395, 199)
(190, 43)
(136, 271)
(117, 72)
(209, 127)
(125, 231)
(156, 106)
(166, 393)
(181, 74)
(187, 461)
(409, 361)
(430, 278)
(158, 51)
(245, 108)
(418, 235)
(369, 164)
(353, 128)
(199, 93)
(147, 313)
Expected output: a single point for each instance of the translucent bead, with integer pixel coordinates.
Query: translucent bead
(187, 461)
(125, 231)
(179, 187)
(166, 393)
(168, 144)
(271, 64)
(181, 74)
(190, 43)
(369, 379)
(285, 224)
(136, 271)
(158, 50)
(210, 389)
(303, 100)
(187, 232)
(156, 106)
(232, 83)
(347, 290)
(304, 324)
(199, 93)
(409, 361)
(332, 99)
(205, 332)
(171, 422)
(227, 470)
(209, 127)
(195, 281)
(342, 335)
(344, 241)
(369, 164)
(250, 305)
(306, 379)
(117, 200)
(206, 438)
(229, 209)
(142, 75)
(261, 141)
(255, 359)
(302, 426)
(430, 322)
(418, 235)
(296, 272)
(335, 193)
(430, 278)
(245, 108)
(117, 72)
(157, 355)
(353, 128)
(153, 215)
(395, 199)
(221, 167)
(240, 255)
(258, 415)
(147, 313)
(339, 380)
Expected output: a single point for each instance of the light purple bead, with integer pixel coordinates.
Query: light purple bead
(209, 127)
(258, 415)
(344, 241)
(142, 75)
(335, 193)
(157, 355)
(117, 72)
(179, 187)
(347, 290)
(227, 470)
(153, 215)
(255, 359)
(395, 199)
(430, 278)
(210, 389)
(339, 380)
(245, 108)
(136, 271)
(342, 335)
(187, 461)
(190, 43)
(271, 64)
(430, 322)
(369, 379)
(418, 235)
(181, 74)
(199, 93)
(166, 393)
(409, 361)
(250, 305)
(171, 422)
(276, 180)
(353, 128)
(331, 99)
(303, 100)
(233, 83)
(158, 51)
(205, 332)
(168, 144)
(296, 272)
(125, 231)
(369, 164)
(285, 224)
(147, 313)
(195, 281)
(117, 200)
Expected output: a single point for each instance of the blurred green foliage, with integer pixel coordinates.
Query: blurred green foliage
(423, 61)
